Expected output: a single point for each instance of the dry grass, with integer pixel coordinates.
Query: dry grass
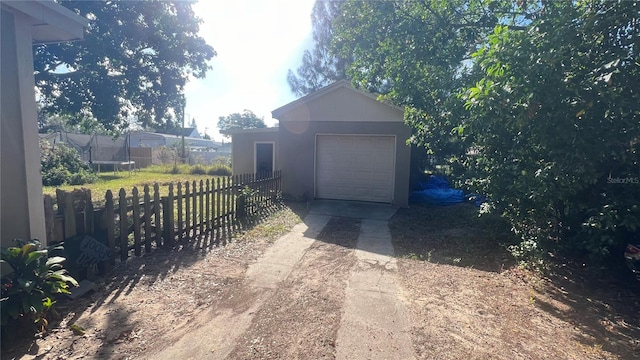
(468, 298)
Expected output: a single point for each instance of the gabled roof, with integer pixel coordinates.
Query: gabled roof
(345, 84)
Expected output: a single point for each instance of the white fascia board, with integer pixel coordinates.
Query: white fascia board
(51, 22)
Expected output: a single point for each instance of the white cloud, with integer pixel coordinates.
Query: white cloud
(256, 41)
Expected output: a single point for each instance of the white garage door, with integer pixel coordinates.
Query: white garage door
(350, 167)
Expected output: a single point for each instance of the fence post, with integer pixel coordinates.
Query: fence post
(236, 199)
(147, 219)
(65, 205)
(135, 202)
(156, 208)
(49, 218)
(207, 204)
(179, 195)
(194, 218)
(252, 200)
(187, 209)
(232, 201)
(167, 211)
(110, 226)
(201, 208)
(218, 209)
(89, 216)
(124, 231)
(224, 199)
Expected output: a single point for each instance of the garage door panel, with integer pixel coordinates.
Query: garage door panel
(352, 167)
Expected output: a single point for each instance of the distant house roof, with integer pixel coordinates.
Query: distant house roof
(189, 132)
(169, 139)
(84, 141)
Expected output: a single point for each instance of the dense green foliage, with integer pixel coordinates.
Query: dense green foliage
(28, 291)
(535, 104)
(236, 121)
(134, 61)
(556, 122)
(320, 65)
(61, 164)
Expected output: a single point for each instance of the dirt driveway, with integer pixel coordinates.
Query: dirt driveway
(459, 292)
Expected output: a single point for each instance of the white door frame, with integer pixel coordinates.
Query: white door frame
(255, 155)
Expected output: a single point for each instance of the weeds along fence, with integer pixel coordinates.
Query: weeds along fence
(138, 221)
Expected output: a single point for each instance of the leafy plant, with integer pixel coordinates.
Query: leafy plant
(554, 124)
(61, 165)
(28, 291)
(247, 201)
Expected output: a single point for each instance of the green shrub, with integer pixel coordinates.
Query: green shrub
(55, 176)
(219, 170)
(28, 291)
(62, 165)
(556, 141)
(198, 170)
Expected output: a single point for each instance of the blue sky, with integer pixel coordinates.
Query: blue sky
(257, 41)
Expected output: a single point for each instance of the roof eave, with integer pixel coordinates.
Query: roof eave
(52, 23)
(277, 113)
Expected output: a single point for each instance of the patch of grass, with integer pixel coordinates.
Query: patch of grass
(216, 169)
(275, 226)
(127, 180)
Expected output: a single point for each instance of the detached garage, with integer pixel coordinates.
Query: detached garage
(355, 167)
(336, 143)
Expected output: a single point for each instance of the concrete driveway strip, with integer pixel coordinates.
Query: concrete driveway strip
(374, 324)
(214, 338)
(276, 263)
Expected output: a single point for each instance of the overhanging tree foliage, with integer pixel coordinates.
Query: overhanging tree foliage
(320, 66)
(556, 122)
(533, 103)
(417, 54)
(135, 60)
(236, 121)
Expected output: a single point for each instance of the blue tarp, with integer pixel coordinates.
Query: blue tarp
(437, 191)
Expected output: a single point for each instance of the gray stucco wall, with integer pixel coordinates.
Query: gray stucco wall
(15, 208)
(297, 154)
(337, 110)
(242, 145)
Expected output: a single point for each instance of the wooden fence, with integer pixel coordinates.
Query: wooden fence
(136, 222)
